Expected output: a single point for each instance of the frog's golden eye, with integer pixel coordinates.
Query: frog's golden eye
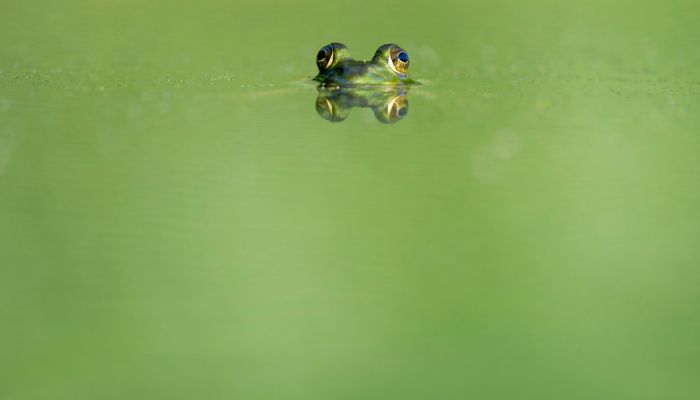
(330, 55)
(398, 60)
(324, 58)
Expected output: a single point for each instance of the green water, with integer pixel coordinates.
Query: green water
(177, 221)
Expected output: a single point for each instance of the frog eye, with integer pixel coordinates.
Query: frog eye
(399, 60)
(324, 58)
(331, 55)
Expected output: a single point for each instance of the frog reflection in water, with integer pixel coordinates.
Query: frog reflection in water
(380, 84)
(389, 105)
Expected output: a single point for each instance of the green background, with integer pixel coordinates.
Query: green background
(177, 222)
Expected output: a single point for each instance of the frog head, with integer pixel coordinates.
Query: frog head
(389, 66)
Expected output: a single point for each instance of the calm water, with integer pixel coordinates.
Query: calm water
(177, 220)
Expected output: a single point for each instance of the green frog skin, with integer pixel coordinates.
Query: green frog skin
(389, 66)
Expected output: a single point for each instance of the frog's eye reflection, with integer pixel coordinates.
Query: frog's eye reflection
(398, 108)
(403, 57)
(394, 110)
(324, 58)
(327, 107)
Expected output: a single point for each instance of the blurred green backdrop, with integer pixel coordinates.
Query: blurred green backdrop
(176, 221)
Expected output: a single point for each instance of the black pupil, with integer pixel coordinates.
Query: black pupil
(321, 55)
(403, 57)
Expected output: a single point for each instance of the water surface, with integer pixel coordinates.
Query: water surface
(177, 221)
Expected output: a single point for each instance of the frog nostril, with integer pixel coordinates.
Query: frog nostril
(403, 57)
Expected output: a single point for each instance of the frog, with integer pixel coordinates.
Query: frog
(389, 66)
(388, 103)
